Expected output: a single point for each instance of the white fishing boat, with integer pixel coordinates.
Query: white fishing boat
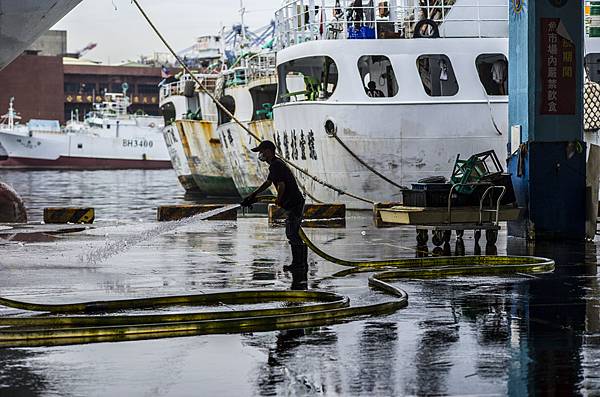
(249, 93)
(172, 98)
(359, 89)
(108, 138)
(198, 151)
(190, 133)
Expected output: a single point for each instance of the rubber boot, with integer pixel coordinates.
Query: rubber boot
(304, 255)
(297, 258)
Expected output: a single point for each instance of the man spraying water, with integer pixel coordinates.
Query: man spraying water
(289, 198)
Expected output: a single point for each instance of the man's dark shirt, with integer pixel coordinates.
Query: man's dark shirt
(279, 172)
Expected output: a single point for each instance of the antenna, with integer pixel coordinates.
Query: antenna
(242, 12)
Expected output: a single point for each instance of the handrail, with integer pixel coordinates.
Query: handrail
(298, 21)
(483, 196)
(178, 87)
(452, 190)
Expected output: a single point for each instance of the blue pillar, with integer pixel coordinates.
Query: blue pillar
(546, 150)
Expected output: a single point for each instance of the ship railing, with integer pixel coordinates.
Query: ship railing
(256, 67)
(178, 87)
(298, 21)
(261, 66)
(236, 76)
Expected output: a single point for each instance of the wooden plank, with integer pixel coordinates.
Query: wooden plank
(438, 215)
(177, 212)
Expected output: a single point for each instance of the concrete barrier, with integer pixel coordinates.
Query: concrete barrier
(315, 215)
(69, 215)
(177, 212)
(377, 216)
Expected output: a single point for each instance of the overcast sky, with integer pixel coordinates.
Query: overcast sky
(122, 34)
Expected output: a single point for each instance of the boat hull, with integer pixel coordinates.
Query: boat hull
(206, 160)
(24, 21)
(82, 163)
(403, 144)
(178, 159)
(247, 171)
(82, 151)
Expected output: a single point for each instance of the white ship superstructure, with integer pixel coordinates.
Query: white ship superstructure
(404, 105)
(108, 138)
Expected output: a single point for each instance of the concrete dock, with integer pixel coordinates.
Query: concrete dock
(458, 336)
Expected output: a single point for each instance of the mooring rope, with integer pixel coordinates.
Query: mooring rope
(235, 119)
(489, 103)
(364, 163)
(330, 308)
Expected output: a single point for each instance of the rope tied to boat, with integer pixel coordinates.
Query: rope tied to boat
(330, 308)
(364, 163)
(233, 117)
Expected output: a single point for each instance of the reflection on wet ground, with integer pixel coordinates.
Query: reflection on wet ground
(520, 335)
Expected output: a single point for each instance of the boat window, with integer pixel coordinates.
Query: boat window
(592, 67)
(437, 75)
(168, 112)
(229, 104)
(377, 76)
(263, 98)
(307, 79)
(493, 73)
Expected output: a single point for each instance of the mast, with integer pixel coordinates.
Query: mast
(11, 113)
(242, 12)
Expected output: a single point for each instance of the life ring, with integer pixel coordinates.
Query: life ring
(426, 22)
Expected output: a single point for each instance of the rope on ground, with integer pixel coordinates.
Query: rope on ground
(229, 114)
(367, 166)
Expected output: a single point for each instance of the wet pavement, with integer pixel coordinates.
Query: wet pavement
(519, 335)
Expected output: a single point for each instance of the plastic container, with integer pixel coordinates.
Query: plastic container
(424, 198)
(363, 32)
(445, 187)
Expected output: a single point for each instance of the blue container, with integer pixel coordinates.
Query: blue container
(367, 32)
(364, 32)
(353, 33)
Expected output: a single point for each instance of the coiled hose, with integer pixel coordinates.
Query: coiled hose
(89, 322)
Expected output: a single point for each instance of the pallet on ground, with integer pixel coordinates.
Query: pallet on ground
(178, 212)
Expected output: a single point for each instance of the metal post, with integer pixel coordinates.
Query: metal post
(546, 42)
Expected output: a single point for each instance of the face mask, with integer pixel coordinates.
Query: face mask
(262, 157)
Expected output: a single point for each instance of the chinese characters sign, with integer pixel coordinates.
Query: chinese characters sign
(558, 69)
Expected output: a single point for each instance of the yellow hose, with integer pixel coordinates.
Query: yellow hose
(312, 309)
